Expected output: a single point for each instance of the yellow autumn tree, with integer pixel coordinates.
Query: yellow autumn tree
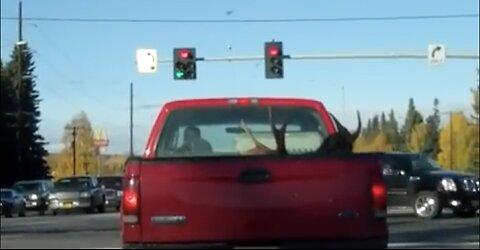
(417, 138)
(85, 153)
(475, 143)
(113, 164)
(360, 144)
(456, 143)
(378, 143)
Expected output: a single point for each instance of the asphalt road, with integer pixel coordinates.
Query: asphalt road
(101, 231)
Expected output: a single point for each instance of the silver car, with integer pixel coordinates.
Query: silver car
(77, 193)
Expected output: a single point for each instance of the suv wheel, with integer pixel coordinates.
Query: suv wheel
(101, 207)
(427, 205)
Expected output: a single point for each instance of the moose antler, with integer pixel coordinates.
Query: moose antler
(278, 134)
(259, 148)
(342, 141)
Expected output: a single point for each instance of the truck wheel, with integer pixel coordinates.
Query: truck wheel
(427, 205)
(43, 208)
(21, 213)
(91, 209)
(466, 213)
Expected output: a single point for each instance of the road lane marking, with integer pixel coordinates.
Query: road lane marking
(12, 237)
(434, 244)
(453, 245)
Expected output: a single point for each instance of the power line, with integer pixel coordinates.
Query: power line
(281, 20)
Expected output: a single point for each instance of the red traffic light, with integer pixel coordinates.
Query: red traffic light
(273, 51)
(184, 54)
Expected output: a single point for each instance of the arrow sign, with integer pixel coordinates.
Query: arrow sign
(147, 60)
(436, 54)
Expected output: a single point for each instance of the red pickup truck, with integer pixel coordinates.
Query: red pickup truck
(194, 188)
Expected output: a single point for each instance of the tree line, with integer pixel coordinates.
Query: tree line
(22, 152)
(455, 144)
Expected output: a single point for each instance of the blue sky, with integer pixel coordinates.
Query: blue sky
(85, 66)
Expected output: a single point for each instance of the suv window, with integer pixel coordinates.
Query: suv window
(395, 163)
(215, 131)
(28, 187)
(111, 182)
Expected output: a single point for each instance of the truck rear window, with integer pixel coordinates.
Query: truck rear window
(216, 131)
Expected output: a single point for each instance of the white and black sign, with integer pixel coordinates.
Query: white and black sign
(436, 53)
(147, 60)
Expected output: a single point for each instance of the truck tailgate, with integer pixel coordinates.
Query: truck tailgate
(260, 199)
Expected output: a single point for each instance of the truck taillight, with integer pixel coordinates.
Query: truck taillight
(130, 199)
(379, 196)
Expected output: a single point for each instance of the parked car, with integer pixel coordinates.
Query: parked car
(112, 186)
(417, 181)
(11, 203)
(199, 184)
(82, 192)
(36, 194)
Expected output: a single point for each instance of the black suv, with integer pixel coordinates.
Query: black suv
(417, 181)
(113, 190)
(36, 194)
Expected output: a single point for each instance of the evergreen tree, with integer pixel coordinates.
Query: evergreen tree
(32, 153)
(412, 118)
(375, 125)
(431, 145)
(383, 122)
(392, 132)
(8, 132)
(367, 132)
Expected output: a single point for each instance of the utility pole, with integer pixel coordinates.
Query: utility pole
(131, 119)
(19, 47)
(74, 146)
(74, 149)
(20, 31)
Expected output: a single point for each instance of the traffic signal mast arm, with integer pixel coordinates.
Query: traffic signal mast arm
(185, 59)
(392, 55)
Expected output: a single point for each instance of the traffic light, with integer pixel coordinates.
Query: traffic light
(184, 64)
(273, 60)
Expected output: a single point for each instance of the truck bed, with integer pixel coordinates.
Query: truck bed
(258, 199)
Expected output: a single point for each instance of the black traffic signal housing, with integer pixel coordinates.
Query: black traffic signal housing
(273, 60)
(184, 64)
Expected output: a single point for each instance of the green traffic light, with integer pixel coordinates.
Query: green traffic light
(179, 74)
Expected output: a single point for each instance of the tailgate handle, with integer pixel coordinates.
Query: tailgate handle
(255, 176)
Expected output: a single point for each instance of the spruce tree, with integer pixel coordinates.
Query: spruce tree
(8, 131)
(31, 149)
